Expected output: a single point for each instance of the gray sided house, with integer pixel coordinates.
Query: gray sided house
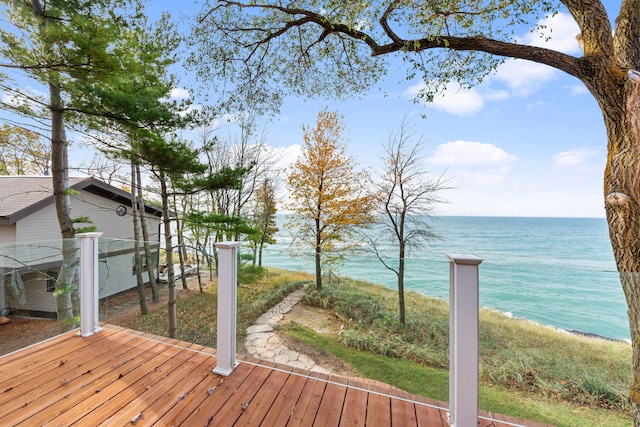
(30, 242)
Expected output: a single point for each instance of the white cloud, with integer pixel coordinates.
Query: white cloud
(453, 99)
(496, 95)
(473, 164)
(457, 100)
(579, 161)
(178, 93)
(556, 32)
(524, 77)
(470, 153)
(521, 77)
(285, 156)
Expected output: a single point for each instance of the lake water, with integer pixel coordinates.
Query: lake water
(555, 271)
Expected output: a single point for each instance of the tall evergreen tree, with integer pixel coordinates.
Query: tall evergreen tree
(65, 46)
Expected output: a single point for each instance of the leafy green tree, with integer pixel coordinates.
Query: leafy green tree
(327, 196)
(340, 48)
(167, 160)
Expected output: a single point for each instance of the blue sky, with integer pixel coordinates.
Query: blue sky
(529, 141)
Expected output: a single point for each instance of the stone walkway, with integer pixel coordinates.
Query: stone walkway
(263, 343)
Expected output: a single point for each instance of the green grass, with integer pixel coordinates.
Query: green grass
(434, 382)
(514, 354)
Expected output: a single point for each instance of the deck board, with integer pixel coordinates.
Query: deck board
(354, 412)
(15, 379)
(121, 377)
(168, 385)
(232, 408)
(46, 387)
(114, 382)
(258, 408)
(213, 390)
(304, 412)
(378, 409)
(403, 413)
(331, 405)
(103, 377)
(284, 404)
(14, 364)
(133, 384)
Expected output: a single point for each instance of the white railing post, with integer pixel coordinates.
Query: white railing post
(463, 340)
(89, 291)
(227, 306)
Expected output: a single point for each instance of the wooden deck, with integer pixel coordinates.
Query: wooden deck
(122, 377)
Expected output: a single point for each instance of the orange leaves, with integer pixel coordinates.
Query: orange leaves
(328, 195)
(22, 152)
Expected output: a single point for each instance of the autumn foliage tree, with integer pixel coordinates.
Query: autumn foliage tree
(23, 152)
(328, 197)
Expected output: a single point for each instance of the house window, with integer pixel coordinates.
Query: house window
(52, 278)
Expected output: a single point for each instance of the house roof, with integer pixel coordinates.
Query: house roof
(21, 196)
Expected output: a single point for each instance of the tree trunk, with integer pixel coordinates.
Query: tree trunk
(622, 203)
(255, 254)
(181, 254)
(136, 244)
(318, 255)
(401, 283)
(198, 271)
(155, 297)
(60, 182)
(171, 284)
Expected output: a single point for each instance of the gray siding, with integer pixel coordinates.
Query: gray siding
(43, 224)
